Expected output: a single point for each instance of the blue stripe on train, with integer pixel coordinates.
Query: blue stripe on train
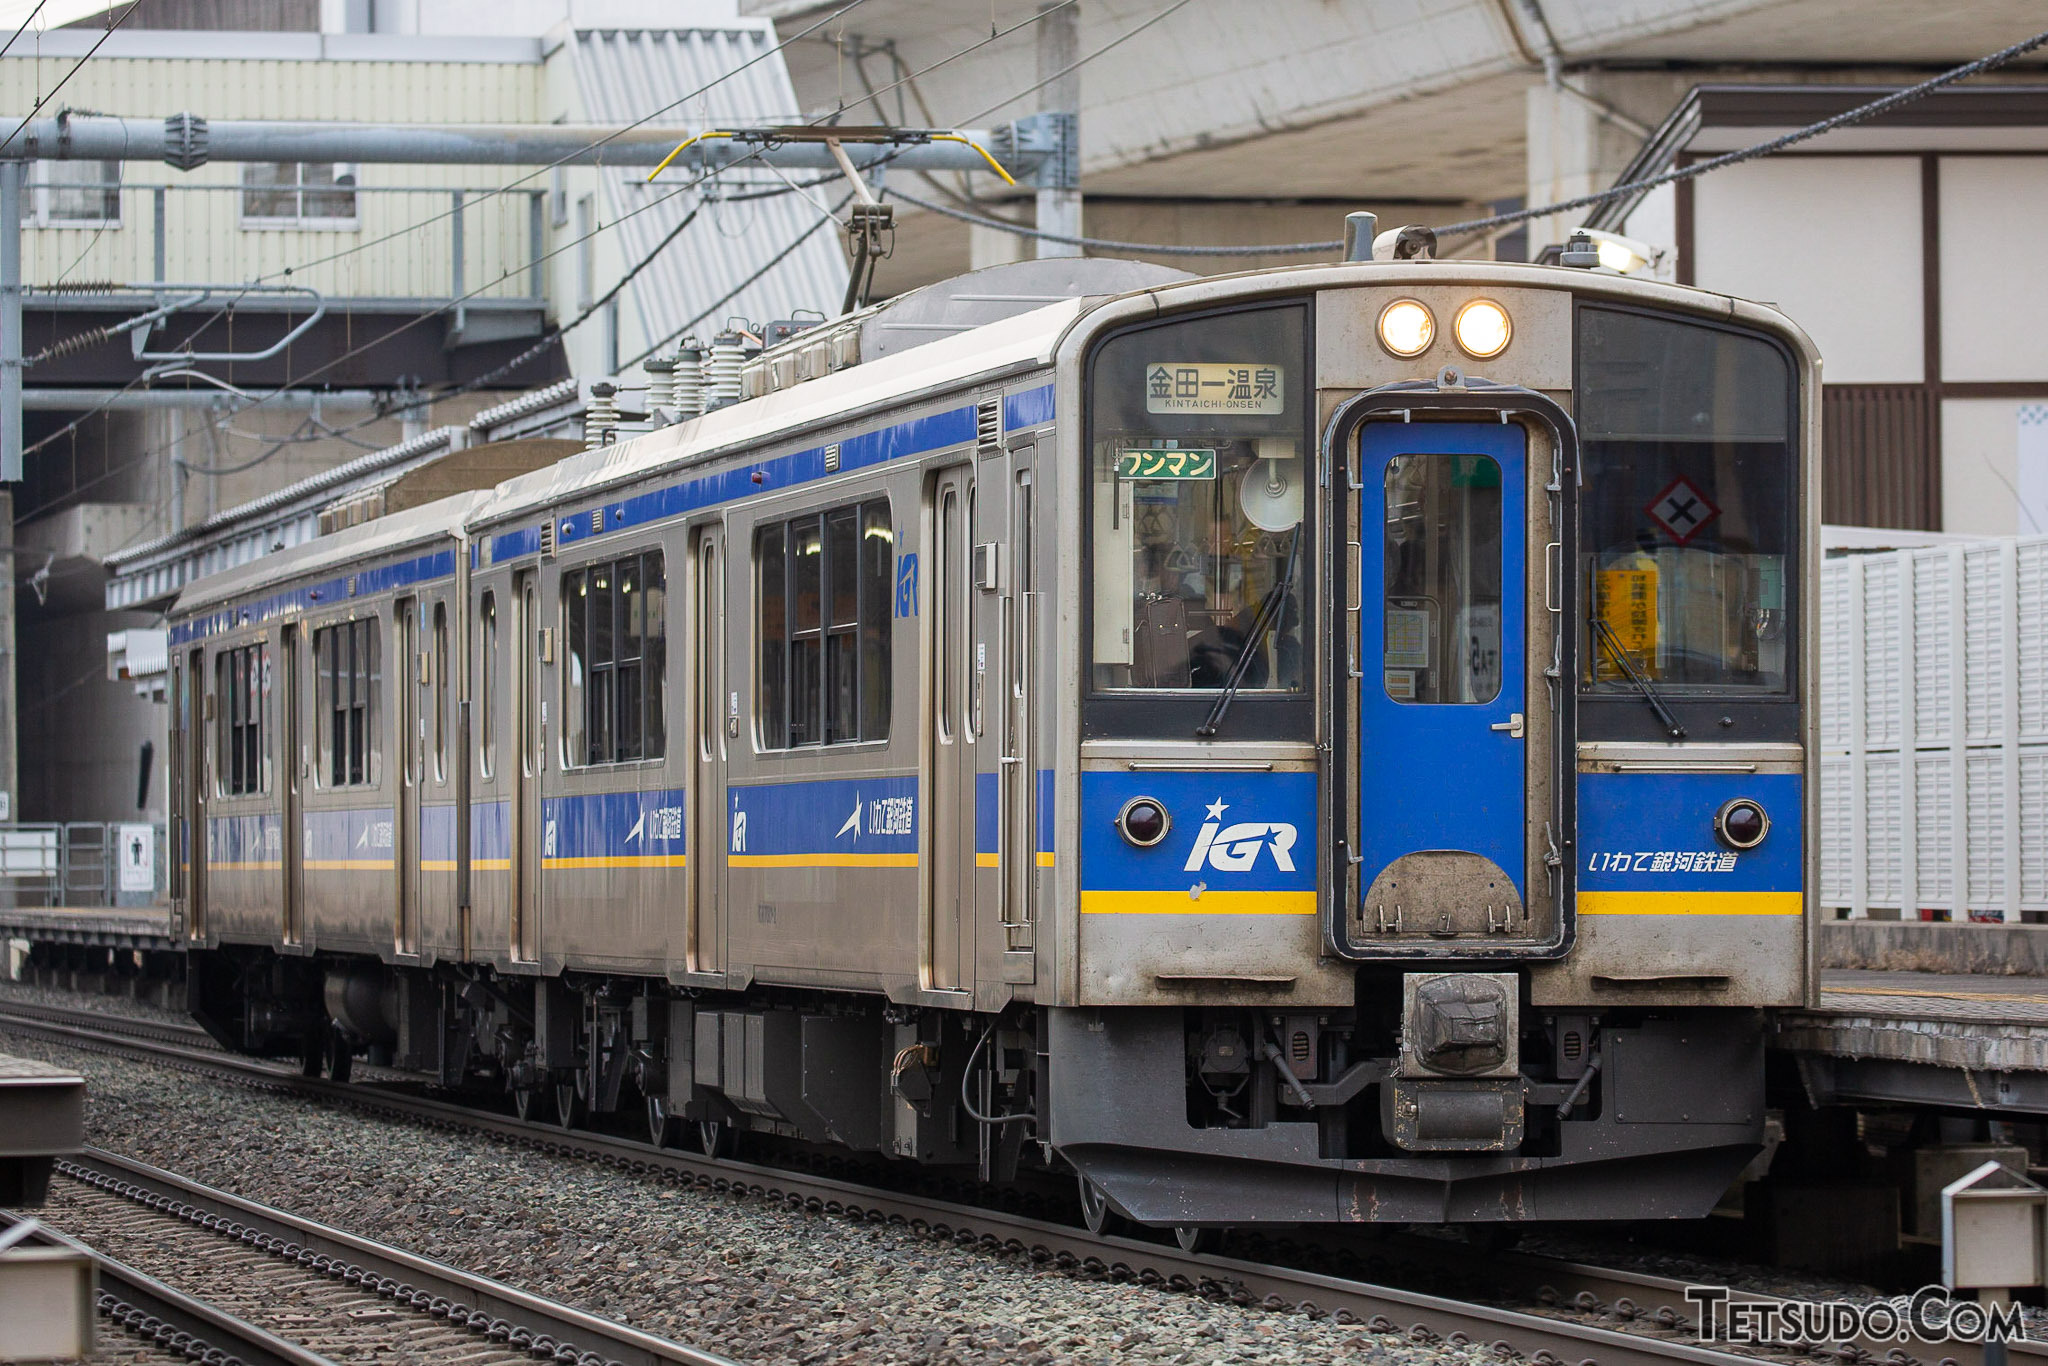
(839, 816)
(1644, 832)
(988, 814)
(936, 431)
(381, 578)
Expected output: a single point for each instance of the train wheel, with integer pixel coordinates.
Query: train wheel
(568, 1106)
(1095, 1211)
(1196, 1241)
(661, 1125)
(529, 1103)
(340, 1060)
(716, 1138)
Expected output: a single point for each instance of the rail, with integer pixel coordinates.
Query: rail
(1592, 1297)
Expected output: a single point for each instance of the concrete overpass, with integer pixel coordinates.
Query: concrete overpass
(1243, 123)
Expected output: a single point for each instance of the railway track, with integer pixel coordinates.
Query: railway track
(159, 1031)
(1576, 1313)
(264, 1285)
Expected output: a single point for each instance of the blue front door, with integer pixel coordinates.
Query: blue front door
(1442, 710)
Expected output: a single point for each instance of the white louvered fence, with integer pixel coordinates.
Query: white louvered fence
(1934, 731)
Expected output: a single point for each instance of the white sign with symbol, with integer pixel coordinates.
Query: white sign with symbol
(1681, 511)
(138, 857)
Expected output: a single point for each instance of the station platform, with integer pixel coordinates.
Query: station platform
(42, 1117)
(1913, 1013)
(146, 928)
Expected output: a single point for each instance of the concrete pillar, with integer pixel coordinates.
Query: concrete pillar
(994, 247)
(1579, 143)
(1059, 184)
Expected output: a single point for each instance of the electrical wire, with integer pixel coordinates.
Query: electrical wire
(967, 1077)
(1078, 63)
(1847, 118)
(66, 77)
(24, 26)
(567, 157)
(733, 293)
(1106, 243)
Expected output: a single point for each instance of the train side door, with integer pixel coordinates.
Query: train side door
(1442, 710)
(1021, 624)
(714, 714)
(291, 775)
(956, 817)
(406, 807)
(529, 730)
(196, 838)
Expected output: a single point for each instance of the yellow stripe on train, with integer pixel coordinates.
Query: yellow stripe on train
(1209, 903)
(821, 860)
(1691, 903)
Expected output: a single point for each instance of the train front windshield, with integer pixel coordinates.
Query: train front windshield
(1691, 488)
(1199, 498)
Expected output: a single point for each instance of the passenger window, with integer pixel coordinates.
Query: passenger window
(487, 678)
(346, 660)
(614, 638)
(242, 694)
(825, 622)
(440, 692)
(1442, 548)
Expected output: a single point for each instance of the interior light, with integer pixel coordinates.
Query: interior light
(1483, 329)
(1406, 328)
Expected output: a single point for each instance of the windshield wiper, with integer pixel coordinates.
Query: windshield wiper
(1627, 660)
(1262, 625)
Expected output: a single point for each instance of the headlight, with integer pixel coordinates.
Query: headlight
(1483, 329)
(1143, 822)
(1406, 328)
(1741, 824)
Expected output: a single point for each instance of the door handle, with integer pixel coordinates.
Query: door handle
(1513, 725)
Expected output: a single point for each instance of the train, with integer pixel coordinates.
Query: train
(1313, 745)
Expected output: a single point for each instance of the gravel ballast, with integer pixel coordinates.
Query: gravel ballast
(730, 1273)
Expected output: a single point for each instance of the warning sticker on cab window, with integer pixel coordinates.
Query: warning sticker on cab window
(1628, 604)
(1173, 386)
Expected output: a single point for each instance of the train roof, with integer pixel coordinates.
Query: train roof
(1013, 345)
(443, 519)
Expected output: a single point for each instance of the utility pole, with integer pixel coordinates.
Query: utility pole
(1059, 102)
(11, 175)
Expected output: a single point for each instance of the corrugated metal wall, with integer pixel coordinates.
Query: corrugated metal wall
(1934, 732)
(623, 74)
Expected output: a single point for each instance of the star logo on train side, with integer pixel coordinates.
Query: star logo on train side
(852, 822)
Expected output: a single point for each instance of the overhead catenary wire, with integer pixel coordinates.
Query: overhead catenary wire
(1847, 118)
(565, 158)
(24, 26)
(65, 79)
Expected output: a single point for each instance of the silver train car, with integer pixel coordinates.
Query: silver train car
(1314, 745)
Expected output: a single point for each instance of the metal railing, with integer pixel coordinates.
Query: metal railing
(479, 237)
(82, 863)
